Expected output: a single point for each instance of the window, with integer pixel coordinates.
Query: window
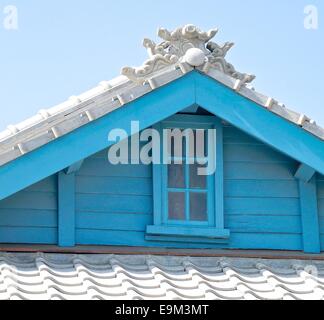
(188, 205)
(186, 192)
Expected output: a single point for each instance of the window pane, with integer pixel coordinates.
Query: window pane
(176, 176)
(196, 181)
(176, 143)
(177, 206)
(198, 206)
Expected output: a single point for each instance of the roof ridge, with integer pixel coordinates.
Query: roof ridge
(182, 51)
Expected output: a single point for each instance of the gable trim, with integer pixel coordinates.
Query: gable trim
(282, 135)
(193, 88)
(93, 137)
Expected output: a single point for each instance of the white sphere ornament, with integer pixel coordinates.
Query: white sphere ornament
(195, 57)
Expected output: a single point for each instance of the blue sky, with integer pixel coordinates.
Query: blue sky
(62, 48)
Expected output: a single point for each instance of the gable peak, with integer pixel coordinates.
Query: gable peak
(185, 45)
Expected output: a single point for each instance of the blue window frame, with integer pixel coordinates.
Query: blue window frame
(188, 206)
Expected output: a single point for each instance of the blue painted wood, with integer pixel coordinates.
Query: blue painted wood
(320, 203)
(266, 241)
(309, 214)
(253, 153)
(264, 224)
(247, 241)
(192, 122)
(113, 221)
(193, 88)
(31, 200)
(320, 188)
(114, 185)
(219, 177)
(234, 135)
(183, 231)
(182, 241)
(215, 195)
(114, 203)
(261, 189)
(259, 122)
(66, 209)
(262, 206)
(30, 216)
(157, 171)
(304, 173)
(28, 235)
(47, 185)
(112, 198)
(91, 165)
(91, 138)
(74, 167)
(259, 171)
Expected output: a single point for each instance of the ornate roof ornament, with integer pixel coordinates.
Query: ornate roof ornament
(186, 44)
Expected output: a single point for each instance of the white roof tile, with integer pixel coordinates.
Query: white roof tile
(108, 277)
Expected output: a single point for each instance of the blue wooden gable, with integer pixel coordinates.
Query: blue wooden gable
(114, 205)
(57, 186)
(266, 205)
(192, 89)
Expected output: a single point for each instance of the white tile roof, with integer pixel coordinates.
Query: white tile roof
(111, 277)
(167, 62)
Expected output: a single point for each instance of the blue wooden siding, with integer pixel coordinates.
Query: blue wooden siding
(114, 204)
(320, 197)
(30, 216)
(262, 207)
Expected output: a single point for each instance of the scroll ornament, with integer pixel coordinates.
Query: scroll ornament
(175, 47)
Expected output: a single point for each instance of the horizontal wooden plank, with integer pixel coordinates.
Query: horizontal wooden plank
(261, 188)
(320, 177)
(103, 154)
(266, 241)
(263, 224)
(28, 235)
(109, 221)
(30, 200)
(28, 218)
(113, 203)
(263, 206)
(259, 171)
(237, 240)
(114, 185)
(320, 189)
(102, 168)
(321, 223)
(322, 242)
(234, 135)
(321, 207)
(47, 185)
(253, 153)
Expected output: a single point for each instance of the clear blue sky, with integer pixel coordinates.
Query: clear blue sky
(63, 48)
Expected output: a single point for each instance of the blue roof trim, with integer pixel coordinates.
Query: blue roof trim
(192, 88)
(257, 121)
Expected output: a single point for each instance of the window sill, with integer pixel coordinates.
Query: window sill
(185, 234)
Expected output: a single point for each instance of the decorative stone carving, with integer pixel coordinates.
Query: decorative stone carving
(183, 39)
(175, 49)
